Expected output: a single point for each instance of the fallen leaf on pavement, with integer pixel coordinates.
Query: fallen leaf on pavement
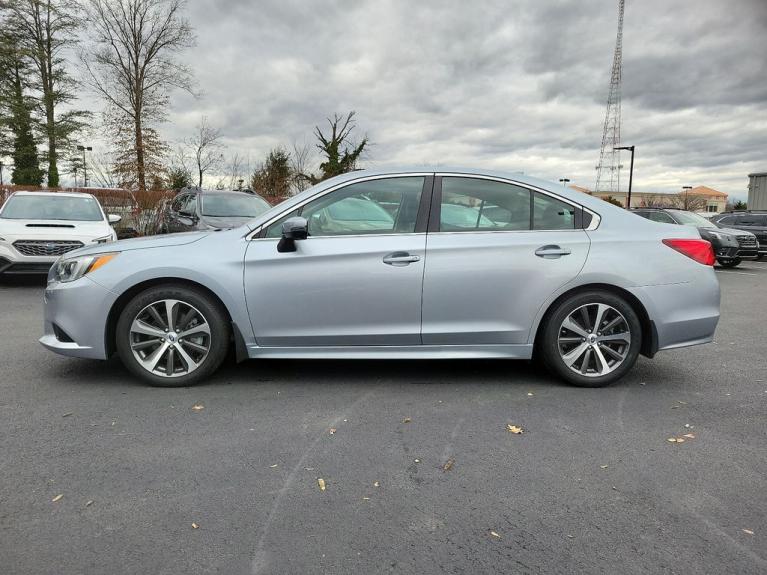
(417, 460)
(332, 430)
(514, 429)
(321, 483)
(55, 499)
(689, 435)
(198, 407)
(66, 415)
(89, 503)
(494, 534)
(273, 466)
(448, 464)
(747, 531)
(680, 439)
(603, 466)
(195, 526)
(530, 393)
(366, 499)
(671, 439)
(406, 420)
(376, 484)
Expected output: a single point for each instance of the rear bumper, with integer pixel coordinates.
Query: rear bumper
(75, 318)
(684, 314)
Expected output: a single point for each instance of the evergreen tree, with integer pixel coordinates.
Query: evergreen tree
(16, 111)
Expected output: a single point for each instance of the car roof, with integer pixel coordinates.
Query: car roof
(51, 193)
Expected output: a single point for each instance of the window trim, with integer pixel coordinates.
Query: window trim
(421, 220)
(436, 205)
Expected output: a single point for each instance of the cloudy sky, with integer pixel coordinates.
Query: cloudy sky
(515, 85)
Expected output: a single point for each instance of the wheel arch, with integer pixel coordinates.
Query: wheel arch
(131, 292)
(649, 333)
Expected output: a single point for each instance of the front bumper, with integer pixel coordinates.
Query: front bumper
(76, 318)
(726, 252)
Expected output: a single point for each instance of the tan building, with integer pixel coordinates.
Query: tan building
(715, 201)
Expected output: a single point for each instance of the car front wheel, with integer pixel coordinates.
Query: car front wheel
(591, 339)
(172, 336)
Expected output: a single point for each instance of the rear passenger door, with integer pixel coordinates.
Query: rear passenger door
(495, 252)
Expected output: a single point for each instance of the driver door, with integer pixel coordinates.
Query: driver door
(355, 280)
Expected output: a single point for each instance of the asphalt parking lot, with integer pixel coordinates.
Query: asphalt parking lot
(420, 473)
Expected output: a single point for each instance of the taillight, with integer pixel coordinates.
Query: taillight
(699, 250)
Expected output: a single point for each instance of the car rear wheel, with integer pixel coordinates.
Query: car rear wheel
(172, 336)
(730, 263)
(591, 339)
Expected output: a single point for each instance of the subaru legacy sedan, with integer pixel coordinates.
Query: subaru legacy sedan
(395, 264)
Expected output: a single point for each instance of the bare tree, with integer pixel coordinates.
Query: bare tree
(234, 168)
(134, 64)
(299, 164)
(690, 202)
(46, 29)
(206, 148)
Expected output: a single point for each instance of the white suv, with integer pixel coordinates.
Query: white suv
(38, 227)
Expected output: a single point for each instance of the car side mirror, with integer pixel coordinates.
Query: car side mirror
(113, 218)
(293, 229)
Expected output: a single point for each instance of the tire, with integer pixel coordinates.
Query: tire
(759, 257)
(558, 341)
(730, 263)
(196, 348)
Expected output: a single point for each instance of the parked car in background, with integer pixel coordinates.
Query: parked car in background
(38, 227)
(731, 246)
(196, 209)
(754, 222)
(387, 265)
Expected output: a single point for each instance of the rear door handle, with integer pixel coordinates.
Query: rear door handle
(400, 259)
(552, 252)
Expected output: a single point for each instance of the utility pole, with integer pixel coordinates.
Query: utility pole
(631, 173)
(85, 167)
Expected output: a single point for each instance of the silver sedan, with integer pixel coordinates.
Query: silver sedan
(395, 264)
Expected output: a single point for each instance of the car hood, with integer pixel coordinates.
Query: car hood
(225, 222)
(146, 242)
(50, 229)
(734, 232)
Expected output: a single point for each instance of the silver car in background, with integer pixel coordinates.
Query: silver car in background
(395, 264)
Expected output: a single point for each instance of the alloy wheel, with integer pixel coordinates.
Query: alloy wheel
(170, 338)
(594, 340)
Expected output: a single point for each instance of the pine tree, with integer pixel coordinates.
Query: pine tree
(16, 111)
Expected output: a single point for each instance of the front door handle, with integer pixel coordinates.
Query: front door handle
(400, 259)
(552, 252)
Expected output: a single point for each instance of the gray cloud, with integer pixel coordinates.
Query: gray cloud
(514, 85)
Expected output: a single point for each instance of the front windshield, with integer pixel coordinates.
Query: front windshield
(233, 205)
(48, 207)
(690, 219)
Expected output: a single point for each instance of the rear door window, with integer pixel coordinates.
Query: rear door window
(473, 204)
(552, 214)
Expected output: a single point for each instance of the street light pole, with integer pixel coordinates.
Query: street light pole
(564, 181)
(85, 167)
(686, 192)
(631, 172)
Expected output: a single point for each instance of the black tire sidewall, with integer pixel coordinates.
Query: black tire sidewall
(211, 309)
(550, 345)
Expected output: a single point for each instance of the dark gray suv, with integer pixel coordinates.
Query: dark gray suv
(748, 221)
(731, 246)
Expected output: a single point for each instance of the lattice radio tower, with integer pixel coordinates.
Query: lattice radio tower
(609, 168)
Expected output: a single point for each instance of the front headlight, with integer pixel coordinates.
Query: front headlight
(715, 235)
(105, 239)
(69, 270)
